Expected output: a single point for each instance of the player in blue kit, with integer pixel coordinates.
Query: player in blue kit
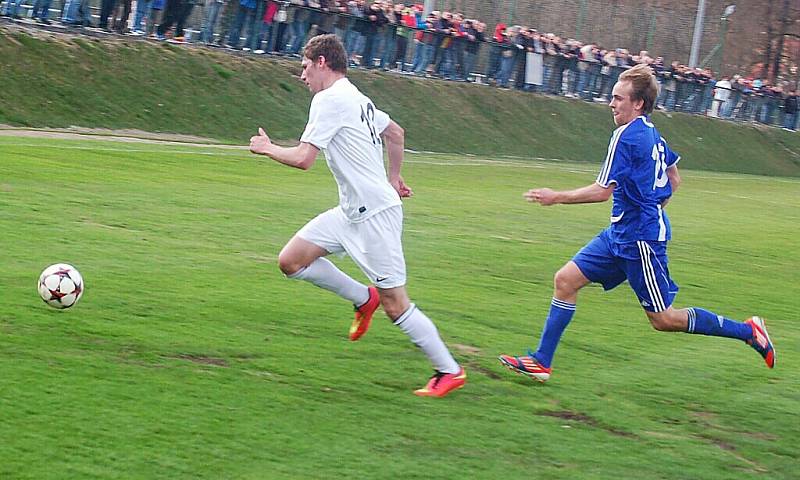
(640, 172)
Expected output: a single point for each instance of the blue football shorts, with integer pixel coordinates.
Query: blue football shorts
(643, 264)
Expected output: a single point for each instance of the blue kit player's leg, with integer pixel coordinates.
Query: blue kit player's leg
(594, 263)
(649, 278)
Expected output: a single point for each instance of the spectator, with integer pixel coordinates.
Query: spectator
(213, 9)
(791, 105)
(299, 26)
(12, 8)
(408, 20)
(326, 17)
(263, 32)
(355, 39)
(106, 9)
(445, 30)
(425, 44)
(459, 44)
(280, 26)
(387, 34)
(499, 38)
(474, 39)
(524, 45)
(120, 20)
(244, 16)
(509, 56)
(155, 17)
(71, 10)
(722, 93)
(41, 8)
(375, 20)
(342, 25)
(175, 14)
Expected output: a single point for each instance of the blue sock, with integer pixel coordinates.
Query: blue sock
(708, 323)
(557, 320)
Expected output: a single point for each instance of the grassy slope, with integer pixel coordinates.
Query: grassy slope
(58, 82)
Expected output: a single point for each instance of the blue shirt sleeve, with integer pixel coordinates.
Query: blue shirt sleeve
(617, 161)
(671, 158)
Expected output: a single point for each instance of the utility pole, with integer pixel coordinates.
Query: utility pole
(723, 34)
(717, 52)
(698, 33)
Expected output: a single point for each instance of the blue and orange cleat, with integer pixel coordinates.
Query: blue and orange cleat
(364, 314)
(442, 383)
(526, 365)
(760, 341)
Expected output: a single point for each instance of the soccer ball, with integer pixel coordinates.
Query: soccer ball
(60, 285)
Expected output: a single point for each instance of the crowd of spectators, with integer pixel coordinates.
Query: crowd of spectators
(402, 38)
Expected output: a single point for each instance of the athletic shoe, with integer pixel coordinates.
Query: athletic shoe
(364, 314)
(442, 383)
(526, 365)
(760, 341)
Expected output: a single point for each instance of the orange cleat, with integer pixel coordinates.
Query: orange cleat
(364, 315)
(760, 341)
(442, 383)
(526, 365)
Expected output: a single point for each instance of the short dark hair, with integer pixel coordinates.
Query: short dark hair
(330, 47)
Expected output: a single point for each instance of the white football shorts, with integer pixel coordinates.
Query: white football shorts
(374, 244)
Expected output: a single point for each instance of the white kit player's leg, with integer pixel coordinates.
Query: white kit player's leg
(302, 258)
(324, 274)
(423, 333)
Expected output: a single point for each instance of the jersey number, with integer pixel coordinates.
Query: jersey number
(659, 157)
(368, 117)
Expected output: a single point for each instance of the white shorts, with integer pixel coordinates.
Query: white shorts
(374, 244)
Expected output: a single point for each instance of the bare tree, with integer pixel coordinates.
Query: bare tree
(768, 50)
(776, 63)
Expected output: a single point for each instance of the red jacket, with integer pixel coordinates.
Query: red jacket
(269, 13)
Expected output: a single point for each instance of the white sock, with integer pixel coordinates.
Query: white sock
(423, 333)
(324, 274)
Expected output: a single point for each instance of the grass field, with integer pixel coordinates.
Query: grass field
(190, 356)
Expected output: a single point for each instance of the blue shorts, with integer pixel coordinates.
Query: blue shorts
(643, 264)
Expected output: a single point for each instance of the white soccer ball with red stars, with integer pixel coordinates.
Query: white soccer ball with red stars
(61, 285)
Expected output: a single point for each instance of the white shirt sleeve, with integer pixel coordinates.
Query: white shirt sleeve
(381, 121)
(323, 123)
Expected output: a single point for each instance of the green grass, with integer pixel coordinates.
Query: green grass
(60, 81)
(190, 356)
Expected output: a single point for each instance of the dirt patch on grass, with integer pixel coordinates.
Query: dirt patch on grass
(586, 420)
(125, 135)
(201, 359)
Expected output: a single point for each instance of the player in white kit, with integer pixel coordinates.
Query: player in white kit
(368, 222)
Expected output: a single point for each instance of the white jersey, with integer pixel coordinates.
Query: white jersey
(346, 126)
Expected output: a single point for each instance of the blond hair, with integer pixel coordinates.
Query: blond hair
(644, 85)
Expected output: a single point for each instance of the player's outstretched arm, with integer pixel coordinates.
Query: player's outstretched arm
(593, 193)
(301, 156)
(394, 138)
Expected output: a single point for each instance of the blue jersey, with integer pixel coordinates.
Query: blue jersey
(637, 160)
